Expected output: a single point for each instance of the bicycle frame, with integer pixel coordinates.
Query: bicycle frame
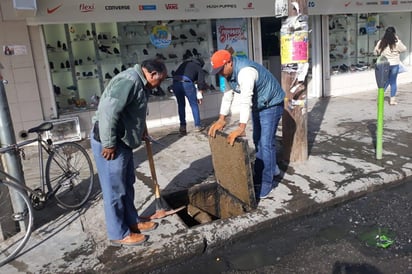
(63, 184)
(13, 181)
(41, 145)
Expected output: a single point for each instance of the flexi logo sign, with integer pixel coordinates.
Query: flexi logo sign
(86, 7)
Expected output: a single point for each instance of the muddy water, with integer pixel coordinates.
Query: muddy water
(342, 239)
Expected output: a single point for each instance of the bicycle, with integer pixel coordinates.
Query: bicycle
(68, 177)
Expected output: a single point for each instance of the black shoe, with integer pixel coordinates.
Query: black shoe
(64, 46)
(107, 76)
(67, 64)
(189, 53)
(160, 56)
(51, 65)
(116, 71)
(195, 52)
(193, 32)
(76, 63)
(123, 67)
(88, 32)
(145, 52)
(56, 89)
(183, 36)
(59, 44)
(185, 56)
(62, 65)
(116, 51)
(172, 55)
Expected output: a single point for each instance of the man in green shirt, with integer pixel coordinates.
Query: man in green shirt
(119, 126)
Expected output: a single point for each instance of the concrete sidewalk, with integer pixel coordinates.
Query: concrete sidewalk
(341, 165)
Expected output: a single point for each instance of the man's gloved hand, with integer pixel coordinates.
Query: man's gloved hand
(218, 125)
(234, 134)
(199, 96)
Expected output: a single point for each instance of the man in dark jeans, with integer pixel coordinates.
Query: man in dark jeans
(119, 127)
(189, 74)
(261, 94)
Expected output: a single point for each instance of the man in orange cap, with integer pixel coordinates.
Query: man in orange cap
(261, 94)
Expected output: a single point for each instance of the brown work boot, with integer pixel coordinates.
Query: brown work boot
(133, 239)
(182, 130)
(143, 227)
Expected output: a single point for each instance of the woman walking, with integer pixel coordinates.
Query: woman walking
(391, 46)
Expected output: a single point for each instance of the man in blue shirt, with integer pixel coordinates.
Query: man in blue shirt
(189, 74)
(261, 94)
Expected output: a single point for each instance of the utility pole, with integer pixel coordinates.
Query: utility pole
(294, 59)
(9, 161)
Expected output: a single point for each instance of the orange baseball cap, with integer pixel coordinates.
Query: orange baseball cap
(219, 59)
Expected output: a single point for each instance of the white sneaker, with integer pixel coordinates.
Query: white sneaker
(199, 129)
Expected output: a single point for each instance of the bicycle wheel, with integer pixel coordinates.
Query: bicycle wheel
(16, 221)
(69, 175)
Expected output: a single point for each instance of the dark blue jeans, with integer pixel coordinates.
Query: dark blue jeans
(265, 124)
(182, 90)
(116, 180)
(392, 80)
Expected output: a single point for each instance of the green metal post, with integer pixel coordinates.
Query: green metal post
(379, 126)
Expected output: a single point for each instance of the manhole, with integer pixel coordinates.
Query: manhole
(231, 195)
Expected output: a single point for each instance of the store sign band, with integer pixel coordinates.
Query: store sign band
(127, 10)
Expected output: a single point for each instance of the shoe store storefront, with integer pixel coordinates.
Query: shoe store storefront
(84, 44)
(350, 31)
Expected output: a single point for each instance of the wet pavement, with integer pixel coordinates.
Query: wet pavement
(341, 166)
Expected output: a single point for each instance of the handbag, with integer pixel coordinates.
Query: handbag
(402, 68)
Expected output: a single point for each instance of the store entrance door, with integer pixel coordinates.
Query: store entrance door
(271, 44)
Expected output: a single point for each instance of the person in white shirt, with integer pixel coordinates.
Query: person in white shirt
(391, 46)
(261, 95)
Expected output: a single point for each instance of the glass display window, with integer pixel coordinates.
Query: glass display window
(352, 39)
(83, 57)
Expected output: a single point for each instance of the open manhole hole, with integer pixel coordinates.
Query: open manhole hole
(231, 195)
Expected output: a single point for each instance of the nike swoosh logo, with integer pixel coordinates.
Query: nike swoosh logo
(348, 3)
(50, 11)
